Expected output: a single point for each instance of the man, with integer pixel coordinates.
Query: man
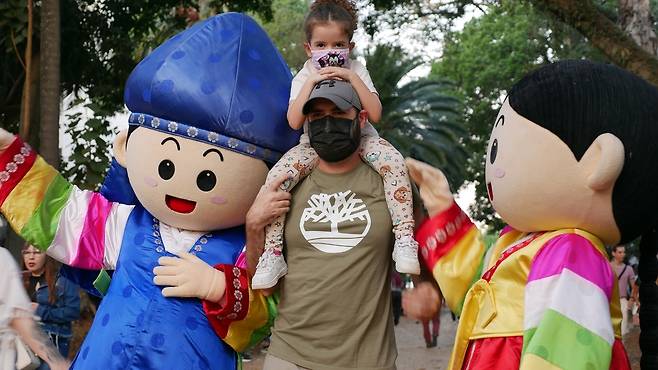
(625, 276)
(334, 310)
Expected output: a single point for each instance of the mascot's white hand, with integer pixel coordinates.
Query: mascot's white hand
(433, 185)
(422, 302)
(6, 138)
(189, 276)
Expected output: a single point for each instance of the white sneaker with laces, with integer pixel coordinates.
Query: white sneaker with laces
(405, 255)
(271, 267)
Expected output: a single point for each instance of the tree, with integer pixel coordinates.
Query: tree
(419, 118)
(102, 42)
(607, 36)
(286, 28)
(50, 86)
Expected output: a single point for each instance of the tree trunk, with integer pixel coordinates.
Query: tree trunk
(50, 86)
(635, 19)
(604, 35)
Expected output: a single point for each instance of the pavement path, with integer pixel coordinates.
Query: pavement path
(412, 353)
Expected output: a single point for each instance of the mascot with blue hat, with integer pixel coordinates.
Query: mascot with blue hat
(208, 112)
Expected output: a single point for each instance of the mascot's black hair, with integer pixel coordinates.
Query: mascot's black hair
(579, 100)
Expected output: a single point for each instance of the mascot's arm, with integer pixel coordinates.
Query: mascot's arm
(50, 213)
(567, 307)
(243, 317)
(452, 249)
(450, 245)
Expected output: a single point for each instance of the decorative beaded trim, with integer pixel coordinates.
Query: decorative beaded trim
(160, 244)
(442, 234)
(198, 134)
(12, 166)
(239, 296)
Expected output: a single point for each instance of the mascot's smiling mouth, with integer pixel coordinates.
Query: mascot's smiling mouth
(179, 205)
(490, 191)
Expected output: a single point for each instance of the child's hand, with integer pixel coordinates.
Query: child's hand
(336, 73)
(316, 77)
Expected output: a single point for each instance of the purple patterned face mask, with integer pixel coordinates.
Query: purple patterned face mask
(330, 58)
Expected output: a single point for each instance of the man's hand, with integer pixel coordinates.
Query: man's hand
(433, 185)
(6, 138)
(335, 73)
(189, 276)
(422, 302)
(270, 203)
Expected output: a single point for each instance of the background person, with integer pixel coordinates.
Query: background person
(55, 299)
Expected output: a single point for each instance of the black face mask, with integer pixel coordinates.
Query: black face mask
(334, 139)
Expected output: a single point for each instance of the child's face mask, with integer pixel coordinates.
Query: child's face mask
(330, 58)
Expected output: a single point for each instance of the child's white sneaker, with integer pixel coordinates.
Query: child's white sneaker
(271, 267)
(405, 255)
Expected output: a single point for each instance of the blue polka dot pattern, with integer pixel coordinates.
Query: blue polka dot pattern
(127, 291)
(139, 239)
(106, 319)
(222, 75)
(117, 347)
(85, 352)
(191, 323)
(246, 116)
(207, 87)
(157, 340)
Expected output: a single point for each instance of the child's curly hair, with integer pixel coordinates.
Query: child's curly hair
(339, 11)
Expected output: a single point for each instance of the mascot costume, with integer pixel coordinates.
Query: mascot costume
(571, 167)
(208, 112)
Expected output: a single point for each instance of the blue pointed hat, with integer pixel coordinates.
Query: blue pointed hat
(221, 81)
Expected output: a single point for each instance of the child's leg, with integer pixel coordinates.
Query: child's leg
(389, 163)
(295, 164)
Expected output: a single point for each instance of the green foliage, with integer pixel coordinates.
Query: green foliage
(286, 28)
(91, 133)
(490, 54)
(419, 118)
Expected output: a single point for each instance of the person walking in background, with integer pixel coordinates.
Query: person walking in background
(625, 276)
(55, 299)
(396, 295)
(431, 335)
(16, 319)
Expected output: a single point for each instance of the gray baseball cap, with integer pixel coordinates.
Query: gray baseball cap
(339, 92)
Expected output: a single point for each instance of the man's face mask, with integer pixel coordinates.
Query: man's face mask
(334, 139)
(330, 58)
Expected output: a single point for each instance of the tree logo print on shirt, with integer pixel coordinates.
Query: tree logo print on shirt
(332, 210)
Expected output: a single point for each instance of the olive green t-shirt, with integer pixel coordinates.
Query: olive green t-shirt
(335, 310)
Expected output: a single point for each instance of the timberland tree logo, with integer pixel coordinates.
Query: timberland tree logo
(321, 220)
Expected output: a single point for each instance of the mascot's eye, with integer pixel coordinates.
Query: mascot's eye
(494, 151)
(166, 169)
(206, 180)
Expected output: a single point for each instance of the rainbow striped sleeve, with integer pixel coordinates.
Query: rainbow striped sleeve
(244, 316)
(567, 321)
(452, 249)
(50, 213)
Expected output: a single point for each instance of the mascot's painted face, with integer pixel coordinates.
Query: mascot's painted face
(535, 182)
(190, 184)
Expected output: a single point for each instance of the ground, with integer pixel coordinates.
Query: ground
(413, 355)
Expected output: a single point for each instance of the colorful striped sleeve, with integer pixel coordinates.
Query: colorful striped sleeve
(50, 213)
(244, 316)
(452, 249)
(567, 321)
